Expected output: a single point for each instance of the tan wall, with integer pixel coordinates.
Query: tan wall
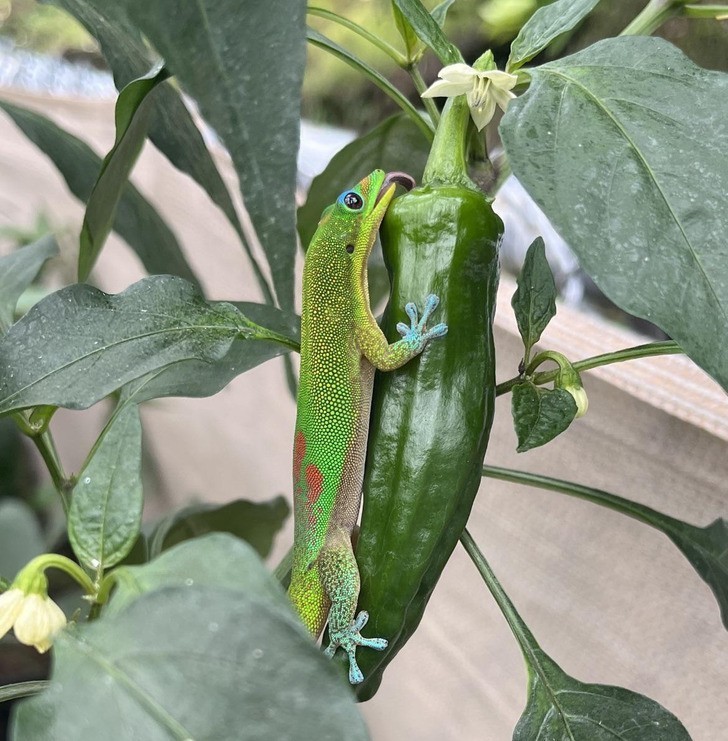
(611, 600)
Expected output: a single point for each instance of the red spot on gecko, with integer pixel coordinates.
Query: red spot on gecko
(314, 487)
(314, 483)
(299, 451)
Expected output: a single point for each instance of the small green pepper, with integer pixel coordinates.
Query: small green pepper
(431, 419)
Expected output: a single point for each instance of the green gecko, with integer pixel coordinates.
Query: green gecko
(341, 345)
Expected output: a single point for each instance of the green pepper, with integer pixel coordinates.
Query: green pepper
(431, 419)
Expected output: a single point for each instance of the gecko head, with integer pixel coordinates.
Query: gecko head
(350, 225)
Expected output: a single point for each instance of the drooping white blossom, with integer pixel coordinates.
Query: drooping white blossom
(484, 89)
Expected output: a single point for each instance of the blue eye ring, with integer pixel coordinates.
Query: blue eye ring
(353, 201)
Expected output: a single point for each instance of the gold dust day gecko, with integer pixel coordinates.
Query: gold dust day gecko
(341, 345)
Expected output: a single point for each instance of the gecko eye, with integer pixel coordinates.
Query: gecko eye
(353, 201)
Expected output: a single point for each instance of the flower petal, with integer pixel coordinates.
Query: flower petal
(502, 80)
(39, 620)
(459, 73)
(483, 113)
(10, 605)
(445, 89)
(502, 97)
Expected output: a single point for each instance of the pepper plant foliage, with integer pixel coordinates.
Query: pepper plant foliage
(187, 635)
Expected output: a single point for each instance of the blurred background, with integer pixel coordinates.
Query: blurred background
(609, 601)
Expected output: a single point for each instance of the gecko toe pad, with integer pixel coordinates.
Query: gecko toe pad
(349, 639)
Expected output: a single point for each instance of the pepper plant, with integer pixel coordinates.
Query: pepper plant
(182, 632)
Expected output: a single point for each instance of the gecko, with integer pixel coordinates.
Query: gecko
(341, 346)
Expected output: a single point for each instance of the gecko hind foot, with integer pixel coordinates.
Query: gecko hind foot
(349, 639)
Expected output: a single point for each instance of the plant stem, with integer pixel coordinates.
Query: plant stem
(651, 349)
(544, 356)
(523, 635)
(719, 12)
(57, 561)
(597, 496)
(654, 14)
(421, 86)
(398, 58)
(22, 689)
(47, 449)
(319, 40)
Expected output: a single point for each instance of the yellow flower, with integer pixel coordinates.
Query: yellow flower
(484, 89)
(34, 616)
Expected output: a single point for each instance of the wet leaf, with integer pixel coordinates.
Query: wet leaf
(545, 25)
(136, 220)
(257, 523)
(79, 344)
(560, 707)
(106, 503)
(540, 415)
(132, 118)
(18, 270)
(193, 656)
(534, 301)
(229, 60)
(622, 145)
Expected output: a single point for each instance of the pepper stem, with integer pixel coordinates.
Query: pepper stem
(447, 163)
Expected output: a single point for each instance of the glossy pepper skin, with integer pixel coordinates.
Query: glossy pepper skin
(431, 419)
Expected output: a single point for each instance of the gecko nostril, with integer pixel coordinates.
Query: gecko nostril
(350, 248)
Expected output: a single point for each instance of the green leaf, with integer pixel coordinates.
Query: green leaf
(213, 651)
(177, 665)
(139, 552)
(171, 128)
(428, 30)
(132, 119)
(540, 415)
(622, 145)
(534, 301)
(215, 560)
(545, 25)
(411, 42)
(707, 550)
(21, 538)
(18, 270)
(439, 12)
(254, 522)
(395, 144)
(560, 707)
(136, 221)
(107, 500)
(199, 378)
(79, 344)
(244, 69)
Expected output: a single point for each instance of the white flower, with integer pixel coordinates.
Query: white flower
(10, 605)
(484, 89)
(35, 617)
(580, 397)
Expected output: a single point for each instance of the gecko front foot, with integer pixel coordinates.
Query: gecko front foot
(349, 638)
(417, 333)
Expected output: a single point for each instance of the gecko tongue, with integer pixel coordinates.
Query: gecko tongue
(402, 178)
